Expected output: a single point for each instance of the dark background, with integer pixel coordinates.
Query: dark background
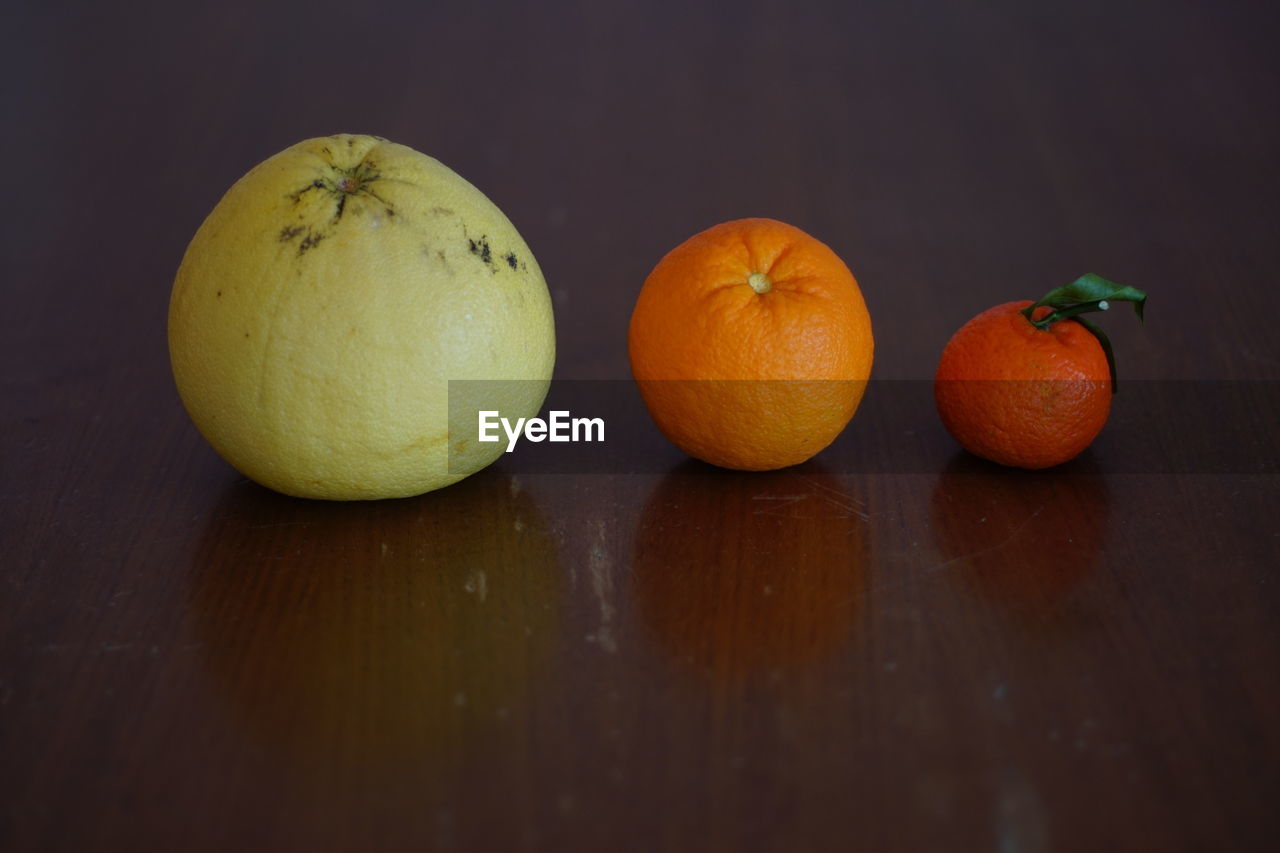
(931, 655)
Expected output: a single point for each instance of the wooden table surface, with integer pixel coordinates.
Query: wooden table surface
(893, 646)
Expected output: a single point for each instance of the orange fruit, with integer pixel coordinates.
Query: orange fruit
(751, 345)
(1030, 384)
(1019, 395)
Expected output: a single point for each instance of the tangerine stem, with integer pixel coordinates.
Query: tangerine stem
(1085, 295)
(760, 282)
(1067, 313)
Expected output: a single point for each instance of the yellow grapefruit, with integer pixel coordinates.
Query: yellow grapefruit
(324, 306)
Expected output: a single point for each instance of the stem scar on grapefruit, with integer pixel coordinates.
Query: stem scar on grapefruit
(751, 345)
(328, 301)
(1029, 384)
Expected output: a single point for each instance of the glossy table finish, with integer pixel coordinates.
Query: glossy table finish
(893, 646)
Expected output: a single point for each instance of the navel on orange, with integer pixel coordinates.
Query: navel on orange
(1029, 384)
(751, 345)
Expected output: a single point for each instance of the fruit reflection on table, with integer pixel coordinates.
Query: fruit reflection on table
(1020, 536)
(374, 635)
(737, 573)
